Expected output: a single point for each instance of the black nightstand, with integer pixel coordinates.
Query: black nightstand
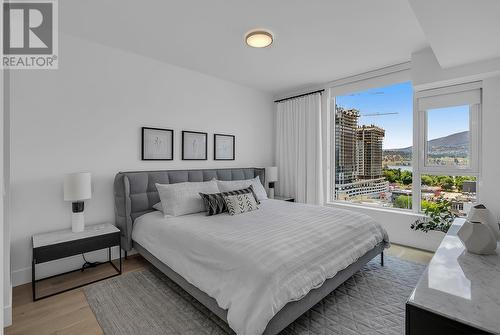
(289, 199)
(64, 243)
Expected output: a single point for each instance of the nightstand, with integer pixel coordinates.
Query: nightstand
(64, 243)
(289, 199)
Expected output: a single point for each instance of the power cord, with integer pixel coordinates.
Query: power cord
(88, 264)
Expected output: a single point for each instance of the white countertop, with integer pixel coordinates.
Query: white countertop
(461, 286)
(66, 235)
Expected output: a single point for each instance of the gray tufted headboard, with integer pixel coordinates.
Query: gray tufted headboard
(135, 192)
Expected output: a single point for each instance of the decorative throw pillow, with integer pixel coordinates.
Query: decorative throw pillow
(241, 203)
(231, 185)
(183, 198)
(215, 204)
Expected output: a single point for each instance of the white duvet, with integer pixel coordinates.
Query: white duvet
(254, 263)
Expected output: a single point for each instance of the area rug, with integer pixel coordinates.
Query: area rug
(148, 303)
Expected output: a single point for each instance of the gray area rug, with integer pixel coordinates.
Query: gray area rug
(147, 302)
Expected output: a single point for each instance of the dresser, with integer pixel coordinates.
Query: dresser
(458, 293)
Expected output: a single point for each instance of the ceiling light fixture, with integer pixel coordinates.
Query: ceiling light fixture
(259, 38)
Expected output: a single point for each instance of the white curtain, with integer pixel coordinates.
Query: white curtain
(298, 149)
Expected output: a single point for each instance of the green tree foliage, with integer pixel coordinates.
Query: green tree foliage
(406, 177)
(427, 180)
(447, 183)
(403, 201)
(439, 216)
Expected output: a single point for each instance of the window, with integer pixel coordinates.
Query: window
(448, 161)
(372, 145)
(379, 159)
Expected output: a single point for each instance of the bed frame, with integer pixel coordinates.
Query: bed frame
(135, 195)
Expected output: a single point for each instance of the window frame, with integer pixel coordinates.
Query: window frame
(379, 78)
(391, 76)
(420, 141)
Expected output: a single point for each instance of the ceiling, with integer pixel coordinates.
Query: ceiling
(460, 31)
(316, 41)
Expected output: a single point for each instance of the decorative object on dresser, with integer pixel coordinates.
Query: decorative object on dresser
(157, 144)
(65, 243)
(271, 178)
(458, 293)
(194, 146)
(477, 238)
(224, 147)
(77, 188)
(480, 213)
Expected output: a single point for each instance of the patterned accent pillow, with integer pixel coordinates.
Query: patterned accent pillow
(215, 204)
(241, 203)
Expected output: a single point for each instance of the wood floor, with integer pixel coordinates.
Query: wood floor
(69, 313)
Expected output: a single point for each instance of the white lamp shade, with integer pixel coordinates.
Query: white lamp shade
(77, 186)
(271, 174)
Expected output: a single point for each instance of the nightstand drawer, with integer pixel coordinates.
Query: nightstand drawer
(56, 251)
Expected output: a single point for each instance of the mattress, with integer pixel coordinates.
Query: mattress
(254, 263)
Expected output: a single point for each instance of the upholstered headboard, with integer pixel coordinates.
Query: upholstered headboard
(135, 192)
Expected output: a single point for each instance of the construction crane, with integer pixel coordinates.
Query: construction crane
(379, 114)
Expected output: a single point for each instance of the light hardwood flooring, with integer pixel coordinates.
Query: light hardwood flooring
(69, 313)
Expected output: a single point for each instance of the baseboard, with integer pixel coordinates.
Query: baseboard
(23, 276)
(7, 316)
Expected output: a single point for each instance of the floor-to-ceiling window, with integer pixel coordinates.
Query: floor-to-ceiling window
(390, 148)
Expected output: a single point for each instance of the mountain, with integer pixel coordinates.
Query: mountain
(454, 142)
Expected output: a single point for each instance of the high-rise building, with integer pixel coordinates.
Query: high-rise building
(369, 152)
(358, 157)
(346, 123)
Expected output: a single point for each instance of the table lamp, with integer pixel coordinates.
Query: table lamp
(271, 177)
(77, 188)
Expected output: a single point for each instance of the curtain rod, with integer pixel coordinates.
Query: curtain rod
(300, 95)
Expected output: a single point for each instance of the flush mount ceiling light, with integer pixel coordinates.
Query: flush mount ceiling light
(259, 38)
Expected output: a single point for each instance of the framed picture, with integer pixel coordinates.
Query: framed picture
(157, 144)
(194, 146)
(224, 147)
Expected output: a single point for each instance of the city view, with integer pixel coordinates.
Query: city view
(373, 151)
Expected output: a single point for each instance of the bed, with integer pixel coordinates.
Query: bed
(257, 271)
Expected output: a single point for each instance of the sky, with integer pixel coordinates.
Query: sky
(398, 127)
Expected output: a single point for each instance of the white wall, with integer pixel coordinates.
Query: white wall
(490, 180)
(2, 224)
(87, 115)
(427, 73)
(4, 202)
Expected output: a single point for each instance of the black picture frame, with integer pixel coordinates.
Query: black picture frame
(216, 158)
(143, 143)
(185, 155)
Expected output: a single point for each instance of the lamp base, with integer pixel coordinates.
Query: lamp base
(77, 222)
(77, 219)
(271, 193)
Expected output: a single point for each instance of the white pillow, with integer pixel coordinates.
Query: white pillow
(233, 185)
(184, 198)
(158, 207)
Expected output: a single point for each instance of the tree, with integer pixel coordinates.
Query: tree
(427, 180)
(406, 177)
(447, 183)
(403, 201)
(390, 175)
